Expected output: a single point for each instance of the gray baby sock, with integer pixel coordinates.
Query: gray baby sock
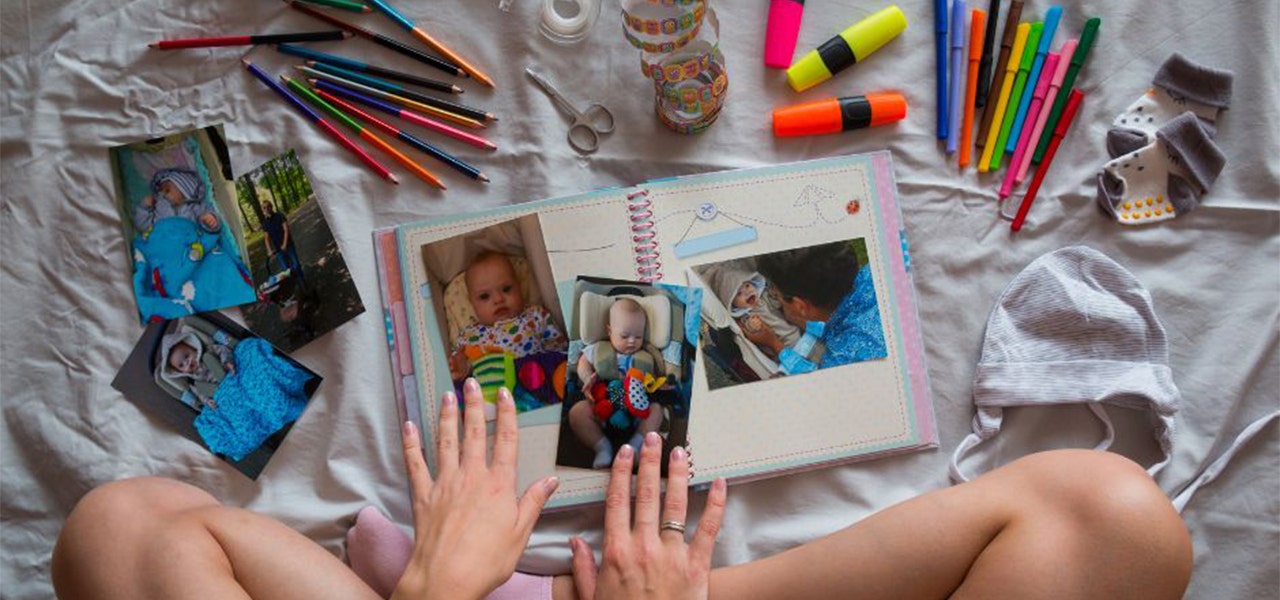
(1164, 179)
(1179, 86)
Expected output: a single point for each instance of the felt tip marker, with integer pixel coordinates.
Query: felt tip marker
(834, 115)
(852, 46)
(780, 36)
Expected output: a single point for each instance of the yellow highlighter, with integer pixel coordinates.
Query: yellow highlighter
(852, 46)
(1019, 41)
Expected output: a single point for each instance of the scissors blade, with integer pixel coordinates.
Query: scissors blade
(551, 91)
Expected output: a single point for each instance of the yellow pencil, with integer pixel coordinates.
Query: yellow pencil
(1019, 42)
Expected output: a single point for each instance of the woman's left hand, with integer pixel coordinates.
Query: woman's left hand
(469, 528)
(649, 560)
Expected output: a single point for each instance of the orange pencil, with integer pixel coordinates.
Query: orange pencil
(977, 36)
(431, 42)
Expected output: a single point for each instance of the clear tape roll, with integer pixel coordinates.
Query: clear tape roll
(571, 27)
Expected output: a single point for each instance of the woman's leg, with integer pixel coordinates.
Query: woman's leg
(1062, 524)
(156, 538)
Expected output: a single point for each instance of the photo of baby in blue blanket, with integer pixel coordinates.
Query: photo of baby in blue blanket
(174, 196)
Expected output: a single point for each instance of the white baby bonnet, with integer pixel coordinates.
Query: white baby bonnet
(1074, 327)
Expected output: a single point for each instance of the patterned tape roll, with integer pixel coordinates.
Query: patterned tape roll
(682, 59)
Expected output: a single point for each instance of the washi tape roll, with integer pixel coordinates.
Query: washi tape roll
(682, 59)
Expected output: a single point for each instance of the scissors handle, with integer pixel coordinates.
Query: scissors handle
(583, 137)
(597, 117)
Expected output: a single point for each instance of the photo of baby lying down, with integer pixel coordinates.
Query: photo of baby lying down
(632, 355)
(498, 312)
(789, 313)
(218, 384)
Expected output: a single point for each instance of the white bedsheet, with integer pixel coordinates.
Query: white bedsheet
(78, 78)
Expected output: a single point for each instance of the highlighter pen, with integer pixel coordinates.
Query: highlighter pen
(1002, 100)
(852, 46)
(1078, 57)
(955, 99)
(834, 115)
(1055, 84)
(940, 47)
(1046, 38)
(984, 63)
(977, 35)
(1019, 83)
(1033, 112)
(780, 36)
(997, 76)
(1074, 99)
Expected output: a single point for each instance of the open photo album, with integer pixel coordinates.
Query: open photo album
(763, 318)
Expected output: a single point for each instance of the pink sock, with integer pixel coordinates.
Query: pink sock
(377, 550)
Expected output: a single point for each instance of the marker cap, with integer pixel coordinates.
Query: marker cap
(780, 36)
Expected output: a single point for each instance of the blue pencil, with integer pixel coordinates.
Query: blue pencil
(355, 65)
(940, 43)
(1046, 38)
(400, 90)
(407, 115)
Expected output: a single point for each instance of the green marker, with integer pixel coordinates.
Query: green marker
(1087, 37)
(1028, 57)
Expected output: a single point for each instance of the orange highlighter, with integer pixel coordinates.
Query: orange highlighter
(977, 32)
(834, 115)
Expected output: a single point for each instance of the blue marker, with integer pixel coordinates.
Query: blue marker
(940, 42)
(1046, 38)
(958, 66)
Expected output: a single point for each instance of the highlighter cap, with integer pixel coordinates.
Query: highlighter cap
(868, 35)
(850, 47)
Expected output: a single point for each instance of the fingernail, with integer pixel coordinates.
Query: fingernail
(678, 454)
(407, 429)
(550, 484)
(471, 386)
(651, 438)
(719, 484)
(504, 396)
(625, 451)
(450, 399)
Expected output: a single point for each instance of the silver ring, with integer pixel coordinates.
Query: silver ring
(672, 525)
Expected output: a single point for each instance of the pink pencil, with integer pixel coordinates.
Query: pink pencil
(1033, 113)
(1064, 62)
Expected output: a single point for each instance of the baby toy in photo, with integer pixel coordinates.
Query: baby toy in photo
(175, 199)
(498, 313)
(789, 313)
(303, 281)
(219, 385)
(632, 351)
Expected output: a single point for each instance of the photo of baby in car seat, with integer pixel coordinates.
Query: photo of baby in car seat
(632, 350)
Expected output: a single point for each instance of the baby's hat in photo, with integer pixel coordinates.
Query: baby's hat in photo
(188, 182)
(1074, 327)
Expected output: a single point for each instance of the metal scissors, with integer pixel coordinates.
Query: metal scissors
(587, 126)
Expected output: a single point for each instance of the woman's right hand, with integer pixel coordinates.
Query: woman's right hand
(645, 561)
(764, 337)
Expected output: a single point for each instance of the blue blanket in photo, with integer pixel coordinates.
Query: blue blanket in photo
(180, 269)
(265, 393)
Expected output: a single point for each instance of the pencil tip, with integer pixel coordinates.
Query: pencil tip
(153, 45)
(392, 177)
(346, 35)
(491, 117)
(245, 61)
(483, 177)
(367, 9)
(458, 90)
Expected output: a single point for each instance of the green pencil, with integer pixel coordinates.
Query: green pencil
(351, 5)
(1087, 38)
(1028, 56)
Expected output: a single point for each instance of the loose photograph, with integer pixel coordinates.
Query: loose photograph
(218, 385)
(499, 313)
(305, 288)
(177, 206)
(632, 353)
(789, 313)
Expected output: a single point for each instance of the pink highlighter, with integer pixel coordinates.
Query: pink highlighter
(784, 28)
(1033, 113)
(1055, 87)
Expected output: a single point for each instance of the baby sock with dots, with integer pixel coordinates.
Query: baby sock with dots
(1164, 179)
(1179, 86)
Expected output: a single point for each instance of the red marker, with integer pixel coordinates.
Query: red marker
(834, 115)
(1073, 104)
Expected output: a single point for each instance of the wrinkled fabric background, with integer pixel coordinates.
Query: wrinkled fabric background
(76, 78)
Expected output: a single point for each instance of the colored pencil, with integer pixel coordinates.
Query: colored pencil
(320, 122)
(381, 40)
(955, 99)
(364, 132)
(988, 44)
(438, 113)
(1019, 83)
(431, 42)
(400, 90)
(250, 40)
(412, 140)
(977, 35)
(998, 75)
(1074, 100)
(1002, 100)
(1078, 57)
(1055, 86)
(1046, 39)
(1033, 113)
(940, 48)
(355, 65)
(350, 5)
(405, 114)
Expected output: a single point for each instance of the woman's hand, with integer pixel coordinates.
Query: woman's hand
(646, 561)
(468, 527)
(763, 336)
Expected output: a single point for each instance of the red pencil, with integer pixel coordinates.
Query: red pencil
(250, 40)
(1073, 104)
